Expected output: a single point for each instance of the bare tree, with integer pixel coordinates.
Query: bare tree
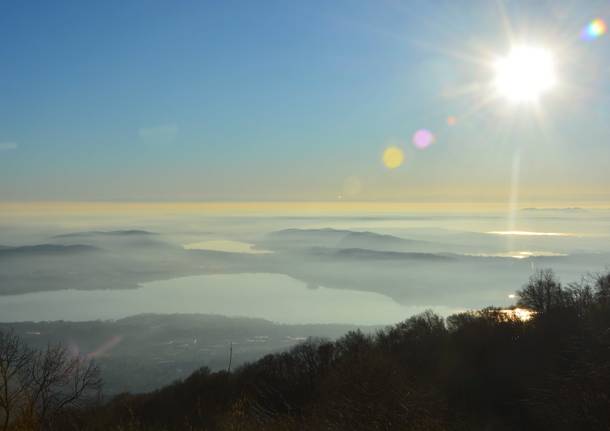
(579, 296)
(38, 385)
(15, 359)
(602, 287)
(542, 292)
(59, 380)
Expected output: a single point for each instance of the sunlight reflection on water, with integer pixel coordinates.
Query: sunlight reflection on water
(226, 246)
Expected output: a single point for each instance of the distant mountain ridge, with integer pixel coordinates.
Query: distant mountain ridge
(45, 249)
(131, 232)
(566, 209)
(346, 239)
(367, 254)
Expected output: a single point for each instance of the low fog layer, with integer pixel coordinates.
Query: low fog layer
(415, 261)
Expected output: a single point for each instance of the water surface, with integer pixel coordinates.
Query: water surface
(270, 296)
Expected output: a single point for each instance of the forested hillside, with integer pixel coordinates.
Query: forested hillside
(484, 370)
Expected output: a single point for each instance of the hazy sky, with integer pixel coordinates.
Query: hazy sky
(287, 100)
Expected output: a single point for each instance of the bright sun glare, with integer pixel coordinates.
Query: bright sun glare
(525, 74)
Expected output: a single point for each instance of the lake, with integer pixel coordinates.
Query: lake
(269, 296)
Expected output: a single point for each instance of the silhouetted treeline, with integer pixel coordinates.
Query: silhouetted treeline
(484, 370)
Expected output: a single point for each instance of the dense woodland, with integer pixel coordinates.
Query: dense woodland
(483, 370)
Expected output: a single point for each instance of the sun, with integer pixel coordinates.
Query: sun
(525, 74)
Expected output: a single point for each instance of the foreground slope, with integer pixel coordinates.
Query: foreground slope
(484, 370)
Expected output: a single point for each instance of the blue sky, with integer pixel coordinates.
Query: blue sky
(276, 100)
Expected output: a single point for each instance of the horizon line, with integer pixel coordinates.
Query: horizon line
(262, 206)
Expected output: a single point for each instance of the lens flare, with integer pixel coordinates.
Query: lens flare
(393, 157)
(451, 120)
(423, 138)
(594, 29)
